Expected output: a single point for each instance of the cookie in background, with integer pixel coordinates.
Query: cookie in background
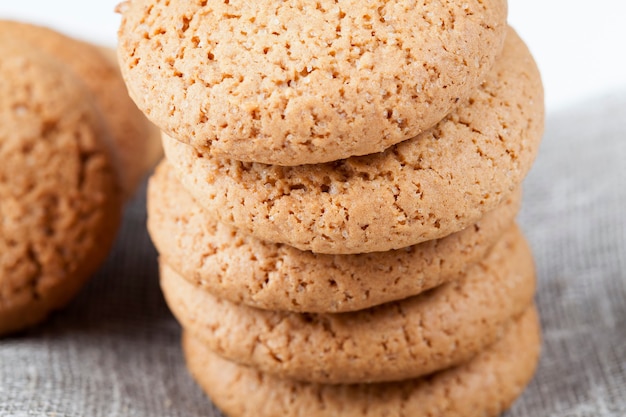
(73, 148)
(60, 198)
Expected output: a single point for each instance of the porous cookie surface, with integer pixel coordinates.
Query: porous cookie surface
(60, 203)
(483, 387)
(398, 340)
(242, 269)
(134, 137)
(425, 188)
(302, 82)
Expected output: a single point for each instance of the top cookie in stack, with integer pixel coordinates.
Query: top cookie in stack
(304, 82)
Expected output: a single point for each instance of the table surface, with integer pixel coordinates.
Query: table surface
(115, 350)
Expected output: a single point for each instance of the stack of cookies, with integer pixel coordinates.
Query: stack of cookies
(335, 215)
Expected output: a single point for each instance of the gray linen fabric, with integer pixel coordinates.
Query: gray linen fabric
(115, 351)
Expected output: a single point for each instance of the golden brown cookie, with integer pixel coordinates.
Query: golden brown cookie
(242, 269)
(399, 340)
(135, 138)
(483, 387)
(426, 188)
(302, 82)
(60, 202)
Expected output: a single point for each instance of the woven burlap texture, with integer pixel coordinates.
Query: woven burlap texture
(115, 351)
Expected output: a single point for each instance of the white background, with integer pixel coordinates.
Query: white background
(579, 44)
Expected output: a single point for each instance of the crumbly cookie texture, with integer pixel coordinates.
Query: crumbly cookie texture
(405, 339)
(303, 82)
(135, 139)
(60, 201)
(485, 386)
(425, 188)
(242, 269)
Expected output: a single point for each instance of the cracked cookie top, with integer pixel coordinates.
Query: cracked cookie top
(60, 201)
(300, 82)
(425, 188)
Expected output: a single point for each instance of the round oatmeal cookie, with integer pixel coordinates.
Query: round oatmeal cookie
(60, 201)
(485, 386)
(242, 269)
(426, 188)
(301, 82)
(404, 339)
(136, 140)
